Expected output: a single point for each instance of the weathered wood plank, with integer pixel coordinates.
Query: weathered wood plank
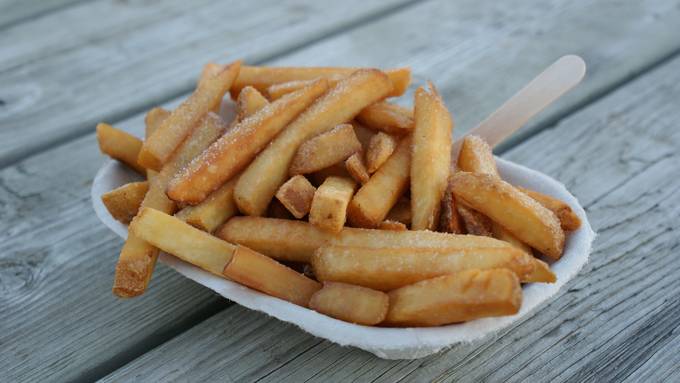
(125, 69)
(619, 156)
(14, 12)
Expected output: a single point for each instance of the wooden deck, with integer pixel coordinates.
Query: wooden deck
(65, 65)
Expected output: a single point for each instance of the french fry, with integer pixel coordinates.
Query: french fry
(541, 273)
(213, 211)
(475, 223)
(387, 117)
(376, 197)
(160, 146)
(259, 182)
(392, 225)
(401, 212)
(262, 273)
(249, 102)
(380, 148)
(449, 221)
(363, 133)
(501, 233)
(388, 269)
(124, 201)
(324, 150)
(262, 78)
(459, 297)
(296, 195)
(475, 156)
(329, 206)
(568, 219)
(184, 241)
(120, 146)
(297, 240)
(238, 146)
(153, 120)
(354, 304)
(337, 170)
(356, 168)
(430, 158)
(209, 71)
(521, 215)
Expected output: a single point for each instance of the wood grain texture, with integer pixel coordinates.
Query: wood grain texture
(14, 12)
(619, 156)
(149, 53)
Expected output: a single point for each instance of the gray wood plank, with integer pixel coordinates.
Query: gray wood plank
(14, 12)
(619, 156)
(127, 68)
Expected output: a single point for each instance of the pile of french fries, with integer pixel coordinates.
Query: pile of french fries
(324, 194)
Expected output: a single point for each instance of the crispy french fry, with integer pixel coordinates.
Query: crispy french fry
(329, 206)
(120, 146)
(325, 150)
(392, 225)
(356, 168)
(209, 71)
(401, 212)
(568, 219)
(351, 303)
(374, 200)
(363, 133)
(449, 220)
(459, 297)
(263, 78)
(233, 151)
(296, 195)
(430, 158)
(503, 234)
(184, 241)
(249, 101)
(158, 148)
(213, 211)
(380, 148)
(521, 215)
(475, 156)
(542, 273)
(387, 117)
(123, 202)
(388, 269)
(297, 240)
(262, 273)
(259, 182)
(475, 223)
(153, 120)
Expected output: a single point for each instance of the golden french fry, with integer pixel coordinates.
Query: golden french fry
(503, 234)
(351, 303)
(262, 273)
(475, 223)
(249, 101)
(329, 206)
(123, 202)
(374, 200)
(387, 117)
(459, 297)
(356, 168)
(238, 146)
(521, 215)
(182, 240)
(209, 71)
(325, 150)
(259, 182)
(568, 219)
(363, 133)
(297, 240)
(153, 120)
(120, 146)
(296, 195)
(401, 212)
(449, 221)
(213, 211)
(542, 273)
(476, 156)
(380, 148)
(392, 225)
(160, 146)
(264, 78)
(387, 269)
(430, 158)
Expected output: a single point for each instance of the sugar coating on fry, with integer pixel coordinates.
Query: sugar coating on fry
(298, 240)
(238, 146)
(474, 222)
(456, 298)
(374, 199)
(380, 148)
(568, 219)
(249, 101)
(259, 182)
(354, 304)
(430, 158)
(387, 117)
(123, 202)
(329, 206)
(296, 195)
(392, 225)
(262, 273)
(521, 215)
(158, 148)
(153, 120)
(213, 211)
(476, 156)
(120, 146)
(357, 168)
(390, 268)
(324, 150)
